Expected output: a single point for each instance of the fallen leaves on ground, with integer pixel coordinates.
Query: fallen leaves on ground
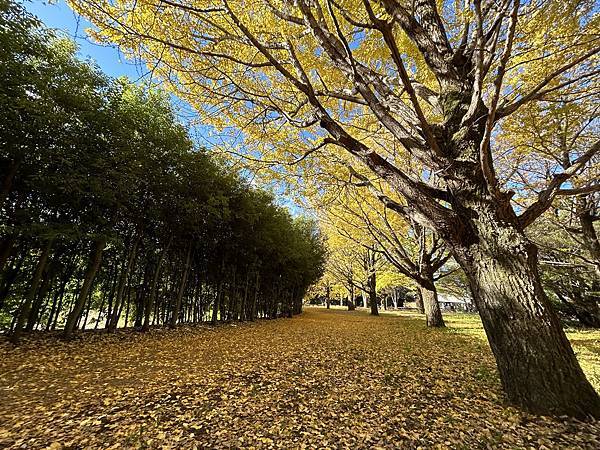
(326, 379)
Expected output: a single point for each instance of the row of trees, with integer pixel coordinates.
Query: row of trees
(368, 242)
(109, 215)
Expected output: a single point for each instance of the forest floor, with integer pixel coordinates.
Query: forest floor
(332, 379)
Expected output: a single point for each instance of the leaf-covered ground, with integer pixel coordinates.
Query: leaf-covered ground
(325, 379)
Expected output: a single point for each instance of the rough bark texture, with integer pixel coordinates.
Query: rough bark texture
(537, 366)
(433, 313)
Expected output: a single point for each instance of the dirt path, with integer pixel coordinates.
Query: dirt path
(324, 379)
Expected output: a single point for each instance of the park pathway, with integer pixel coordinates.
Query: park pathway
(325, 379)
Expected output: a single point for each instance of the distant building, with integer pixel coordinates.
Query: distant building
(450, 302)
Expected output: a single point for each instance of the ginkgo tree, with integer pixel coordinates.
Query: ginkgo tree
(535, 140)
(416, 92)
(409, 248)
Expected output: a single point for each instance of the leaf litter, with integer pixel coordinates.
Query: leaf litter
(325, 379)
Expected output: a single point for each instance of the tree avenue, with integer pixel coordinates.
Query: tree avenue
(110, 216)
(414, 94)
(379, 241)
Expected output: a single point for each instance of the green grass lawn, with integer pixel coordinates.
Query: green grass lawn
(585, 342)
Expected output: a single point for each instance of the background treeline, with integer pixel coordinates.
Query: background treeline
(110, 217)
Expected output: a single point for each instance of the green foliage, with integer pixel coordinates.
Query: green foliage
(89, 159)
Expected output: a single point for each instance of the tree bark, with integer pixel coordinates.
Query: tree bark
(351, 304)
(537, 366)
(90, 274)
(373, 294)
(431, 307)
(35, 281)
(429, 296)
(419, 302)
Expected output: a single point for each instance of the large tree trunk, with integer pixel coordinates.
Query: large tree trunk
(429, 296)
(419, 302)
(537, 366)
(90, 274)
(351, 304)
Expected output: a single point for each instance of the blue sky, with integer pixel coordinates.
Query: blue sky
(57, 14)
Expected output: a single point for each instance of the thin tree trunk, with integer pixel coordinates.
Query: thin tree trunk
(39, 300)
(243, 307)
(87, 310)
(117, 307)
(55, 297)
(5, 250)
(217, 304)
(255, 299)
(154, 286)
(35, 281)
(52, 321)
(373, 293)
(88, 280)
(10, 276)
(177, 307)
